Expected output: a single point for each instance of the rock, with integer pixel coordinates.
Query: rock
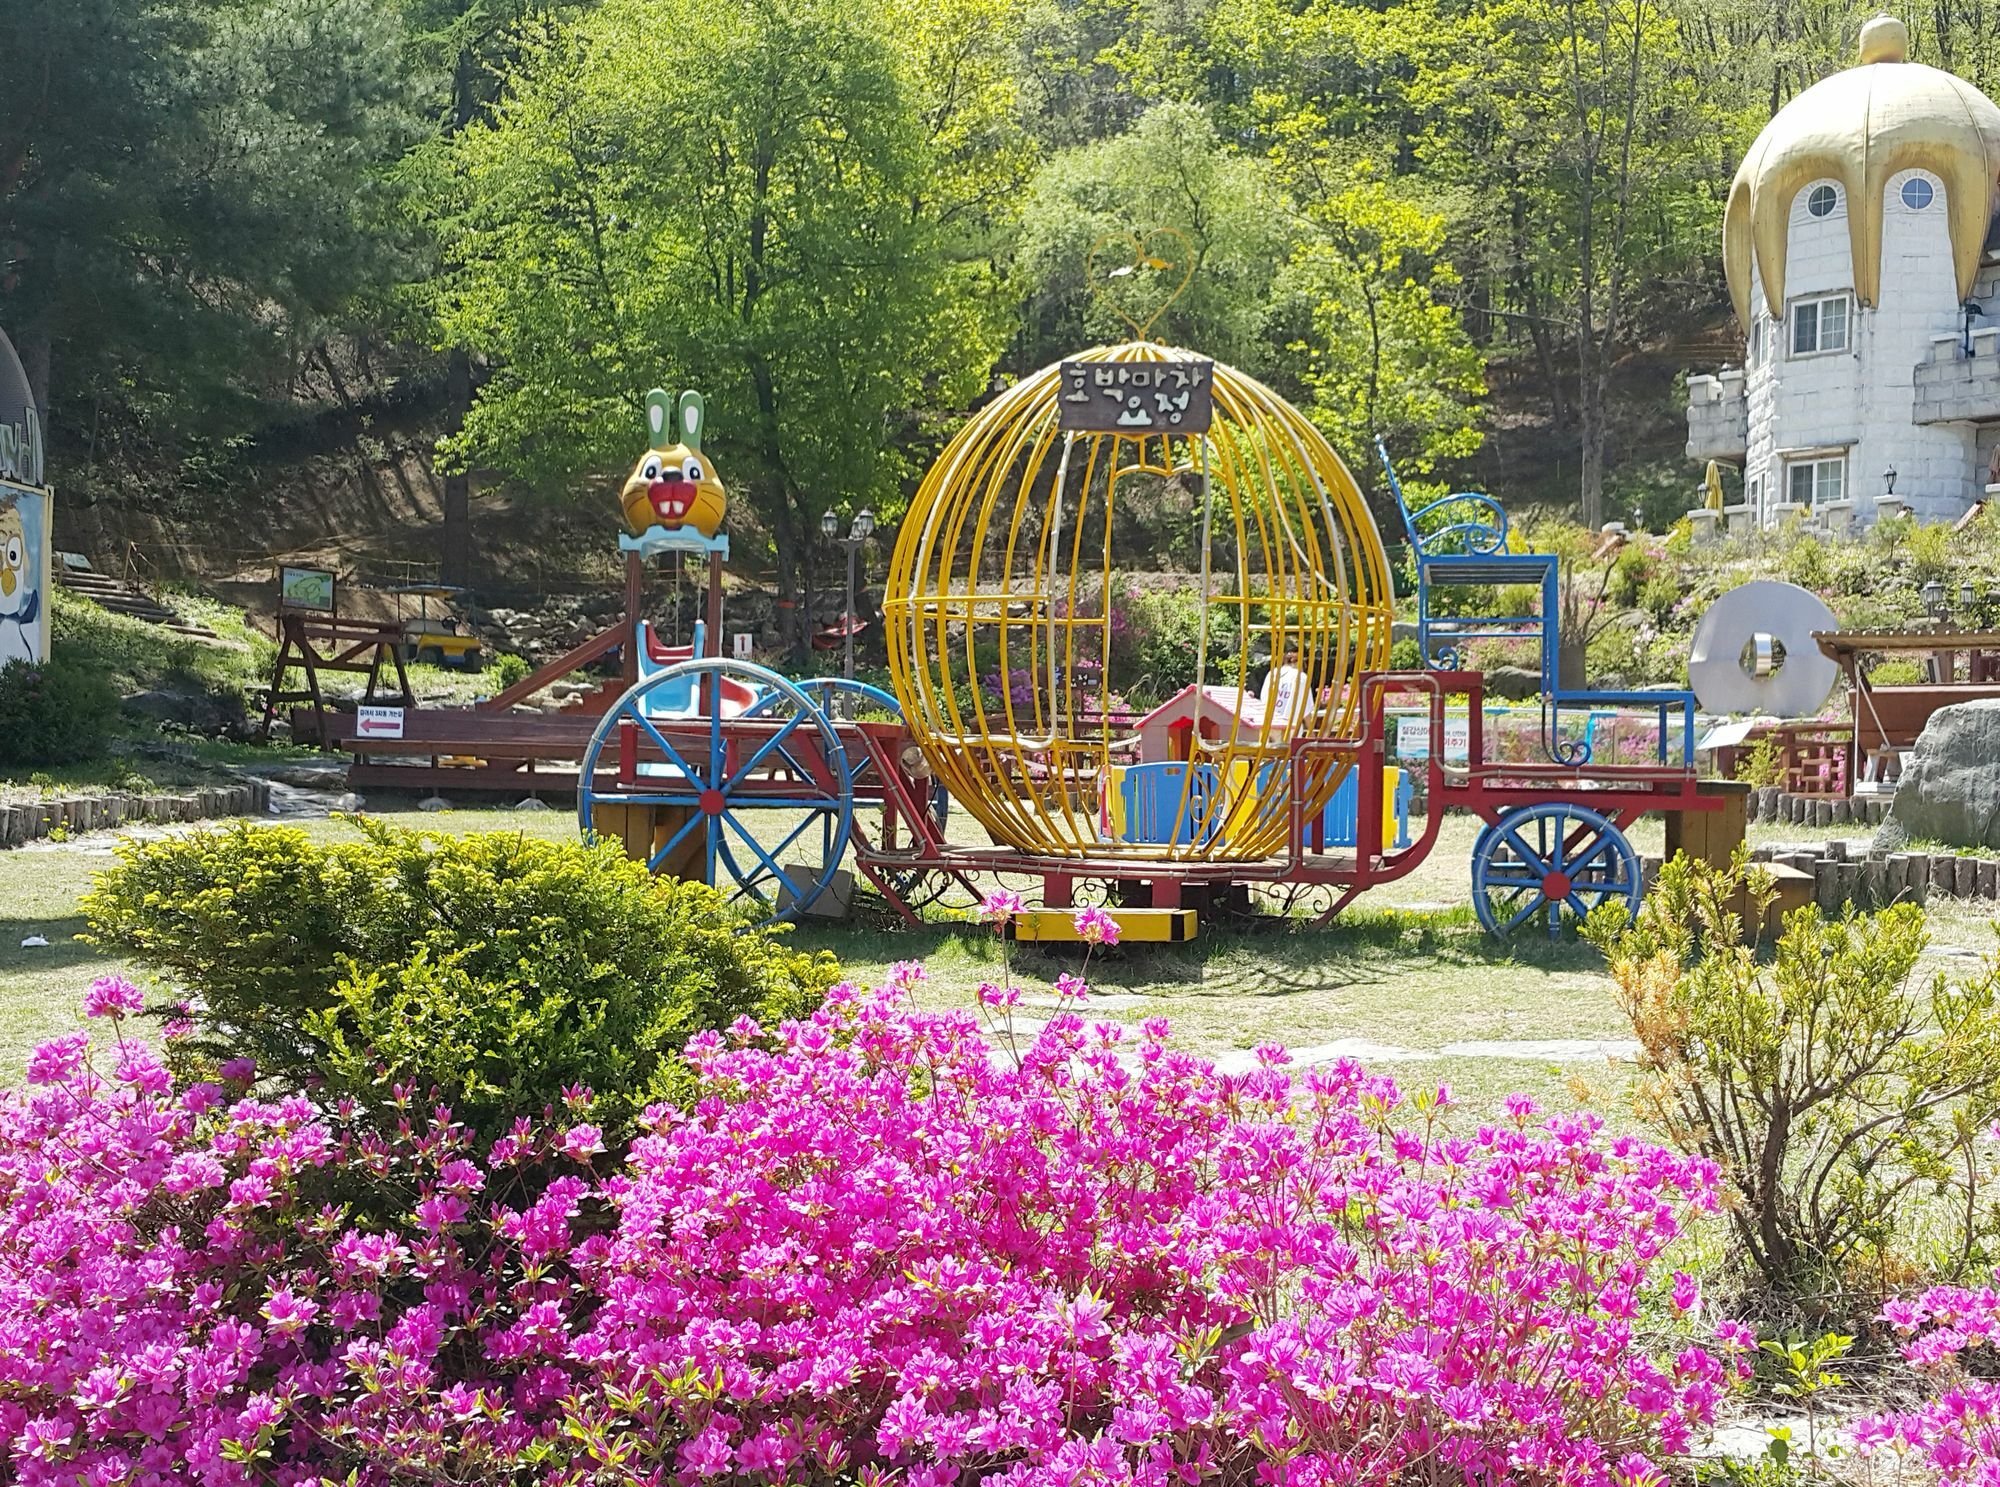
(1513, 683)
(532, 804)
(349, 802)
(433, 803)
(204, 712)
(1950, 789)
(307, 776)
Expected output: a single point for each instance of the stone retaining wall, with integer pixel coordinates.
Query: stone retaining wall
(26, 821)
(1857, 872)
(1769, 803)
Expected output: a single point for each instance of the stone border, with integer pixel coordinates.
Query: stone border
(1869, 877)
(1769, 803)
(24, 822)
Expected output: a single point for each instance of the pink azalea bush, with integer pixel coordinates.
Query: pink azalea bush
(1955, 1434)
(875, 1248)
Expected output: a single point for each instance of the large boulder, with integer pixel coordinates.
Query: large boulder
(1950, 789)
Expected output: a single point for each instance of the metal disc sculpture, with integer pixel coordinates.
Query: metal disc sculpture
(1754, 651)
(1547, 866)
(998, 616)
(760, 807)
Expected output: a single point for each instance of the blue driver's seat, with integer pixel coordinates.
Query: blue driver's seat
(1460, 540)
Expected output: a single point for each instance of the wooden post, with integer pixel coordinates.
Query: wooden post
(635, 596)
(714, 613)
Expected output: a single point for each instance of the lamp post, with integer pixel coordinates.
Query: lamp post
(859, 530)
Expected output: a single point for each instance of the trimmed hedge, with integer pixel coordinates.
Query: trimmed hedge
(491, 971)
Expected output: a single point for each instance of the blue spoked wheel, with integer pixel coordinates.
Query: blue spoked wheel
(768, 794)
(838, 696)
(844, 697)
(1547, 866)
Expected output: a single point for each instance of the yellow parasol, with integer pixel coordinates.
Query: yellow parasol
(1713, 485)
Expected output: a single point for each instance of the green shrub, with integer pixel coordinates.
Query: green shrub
(508, 668)
(1168, 627)
(1847, 1100)
(493, 968)
(1762, 764)
(55, 712)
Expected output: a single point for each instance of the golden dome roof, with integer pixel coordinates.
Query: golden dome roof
(1860, 127)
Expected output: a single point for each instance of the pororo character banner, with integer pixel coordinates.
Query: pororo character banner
(674, 486)
(24, 519)
(23, 565)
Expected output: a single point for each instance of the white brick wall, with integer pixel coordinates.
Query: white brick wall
(1861, 399)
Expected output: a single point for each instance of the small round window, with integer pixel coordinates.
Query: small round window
(1917, 193)
(1822, 201)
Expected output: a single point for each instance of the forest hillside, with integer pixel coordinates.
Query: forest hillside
(386, 280)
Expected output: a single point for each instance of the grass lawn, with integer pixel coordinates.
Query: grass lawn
(1405, 980)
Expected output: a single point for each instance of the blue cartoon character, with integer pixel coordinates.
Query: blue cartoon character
(20, 593)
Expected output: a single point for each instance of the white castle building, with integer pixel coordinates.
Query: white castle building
(1863, 258)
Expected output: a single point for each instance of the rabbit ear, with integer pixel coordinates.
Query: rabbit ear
(659, 419)
(692, 418)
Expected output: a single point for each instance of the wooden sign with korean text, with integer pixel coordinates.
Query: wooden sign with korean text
(1137, 397)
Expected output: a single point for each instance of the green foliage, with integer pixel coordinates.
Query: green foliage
(508, 668)
(134, 655)
(1384, 350)
(783, 203)
(193, 194)
(57, 712)
(1762, 764)
(1170, 170)
(1846, 1098)
(1928, 553)
(494, 969)
(1167, 627)
(1807, 565)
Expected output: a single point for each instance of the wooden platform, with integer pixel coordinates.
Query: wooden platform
(459, 749)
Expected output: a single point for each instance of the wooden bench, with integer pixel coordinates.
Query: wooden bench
(1887, 720)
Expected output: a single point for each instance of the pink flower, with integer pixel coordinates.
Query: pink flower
(1687, 1294)
(59, 1060)
(867, 1247)
(240, 1070)
(997, 907)
(113, 997)
(1072, 988)
(1096, 927)
(289, 1314)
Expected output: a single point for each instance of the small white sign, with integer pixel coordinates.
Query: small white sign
(742, 643)
(378, 722)
(1413, 738)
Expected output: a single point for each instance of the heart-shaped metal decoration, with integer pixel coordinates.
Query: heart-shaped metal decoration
(1140, 274)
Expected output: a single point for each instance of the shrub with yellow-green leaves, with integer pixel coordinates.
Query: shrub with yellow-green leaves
(494, 969)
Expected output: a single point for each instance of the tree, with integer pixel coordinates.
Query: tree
(1169, 171)
(1385, 353)
(465, 44)
(779, 202)
(1575, 135)
(191, 197)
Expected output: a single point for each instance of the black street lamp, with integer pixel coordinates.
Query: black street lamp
(859, 530)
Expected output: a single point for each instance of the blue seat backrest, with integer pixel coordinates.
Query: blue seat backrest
(1478, 527)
